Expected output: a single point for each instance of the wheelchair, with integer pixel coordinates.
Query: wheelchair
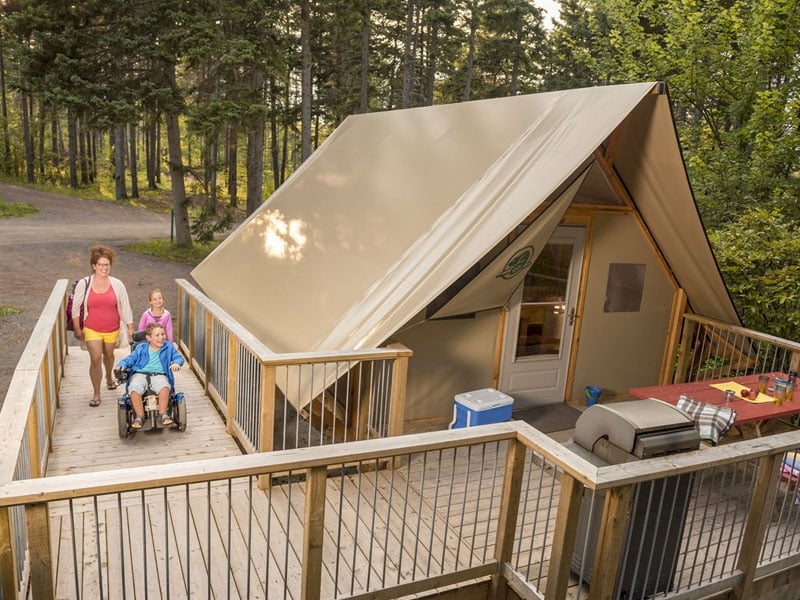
(176, 406)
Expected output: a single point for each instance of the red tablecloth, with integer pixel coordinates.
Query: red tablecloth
(746, 412)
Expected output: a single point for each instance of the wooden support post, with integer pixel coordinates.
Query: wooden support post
(190, 334)
(685, 355)
(313, 533)
(267, 418)
(569, 512)
(180, 333)
(48, 377)
(397, 397)
(609, 542)
(757, 522)
(38, 525)
(676, 316)
(507, 519)
(208, 323)
(267, 409)
(232, 383)
(8, 571)
(33, 442)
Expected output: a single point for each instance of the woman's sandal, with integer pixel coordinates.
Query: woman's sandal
(111, 385)
(94, 402)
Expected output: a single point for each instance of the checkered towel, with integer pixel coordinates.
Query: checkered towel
(712, 421)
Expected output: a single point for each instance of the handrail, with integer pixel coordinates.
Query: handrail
(711, 349)
(612, 482)
(340, 395)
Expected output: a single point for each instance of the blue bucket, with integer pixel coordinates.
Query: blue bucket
(593, 394)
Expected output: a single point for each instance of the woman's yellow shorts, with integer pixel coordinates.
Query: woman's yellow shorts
(108, 338)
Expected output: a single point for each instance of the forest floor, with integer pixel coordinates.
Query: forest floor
(54, 244)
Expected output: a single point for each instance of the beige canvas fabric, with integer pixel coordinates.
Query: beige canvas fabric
(396, 206)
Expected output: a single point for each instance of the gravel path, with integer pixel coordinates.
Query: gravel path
(54, 244)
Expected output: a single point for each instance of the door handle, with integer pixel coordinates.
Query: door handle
(572, 316)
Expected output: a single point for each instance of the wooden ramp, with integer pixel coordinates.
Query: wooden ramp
(86, 439)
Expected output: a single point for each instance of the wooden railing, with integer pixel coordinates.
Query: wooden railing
(485, 508)
(282, 401)
(711, 349)
(26, 426)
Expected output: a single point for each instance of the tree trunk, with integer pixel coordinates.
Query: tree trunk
(212, 173)
(363, 103)
(72, 141)
(132, 161)
(255, 166)
(408, 58)
(232, 159)
(41, 126)
(26, 136)
(473, 27)
(83, 155)
(152, 163)
(120, 191)
(4, 112)
(183, 236)
(305, 82)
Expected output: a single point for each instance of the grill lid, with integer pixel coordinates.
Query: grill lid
(621, 422)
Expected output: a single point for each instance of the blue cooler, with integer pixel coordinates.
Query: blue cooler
(481, 407)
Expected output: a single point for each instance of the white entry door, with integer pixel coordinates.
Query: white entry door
(540, 323)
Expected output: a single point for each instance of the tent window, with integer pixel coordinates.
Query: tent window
(624, 287)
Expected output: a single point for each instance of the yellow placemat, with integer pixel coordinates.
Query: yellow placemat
(738, 387)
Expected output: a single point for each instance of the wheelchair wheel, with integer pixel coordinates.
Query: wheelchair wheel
(181, 413)
(122, 421)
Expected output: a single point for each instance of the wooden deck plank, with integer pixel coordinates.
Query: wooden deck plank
(382, 526)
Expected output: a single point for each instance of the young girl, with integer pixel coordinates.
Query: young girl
(156, 314)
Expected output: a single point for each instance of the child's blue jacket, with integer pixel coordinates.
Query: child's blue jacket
(138, 359)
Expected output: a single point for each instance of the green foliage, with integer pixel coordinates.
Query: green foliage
(9, 310)
(757, 254)
(191, 255)
(16, 209)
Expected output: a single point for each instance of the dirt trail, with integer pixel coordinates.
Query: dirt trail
(54, 244)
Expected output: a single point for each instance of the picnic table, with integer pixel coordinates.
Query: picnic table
(712, 393)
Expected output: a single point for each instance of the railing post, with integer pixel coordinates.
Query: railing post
(313, 533)
(179, 328)
(33, 442)
(190, 333)
(507, 519)
(267, 417)
(569, 512)
(8, 572)
(232, 383)
(609, 542)
(208, 322)
(756, 526)
(676, 316)
(267, 420)
(397, 397)
(685, 355)
(38, 526)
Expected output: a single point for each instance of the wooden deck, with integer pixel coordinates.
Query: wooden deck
(230, 539)
(86, 439)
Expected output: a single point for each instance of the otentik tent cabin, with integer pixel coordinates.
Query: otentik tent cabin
(535, 244)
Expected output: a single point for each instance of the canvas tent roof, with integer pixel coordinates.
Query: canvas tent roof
(395, 207)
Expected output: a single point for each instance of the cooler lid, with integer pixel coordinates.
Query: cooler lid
(484, 399)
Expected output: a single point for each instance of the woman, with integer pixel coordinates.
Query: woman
(108, 318)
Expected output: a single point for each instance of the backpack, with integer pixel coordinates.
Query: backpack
(69, 304)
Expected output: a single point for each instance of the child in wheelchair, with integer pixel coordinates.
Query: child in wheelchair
(150, 366)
